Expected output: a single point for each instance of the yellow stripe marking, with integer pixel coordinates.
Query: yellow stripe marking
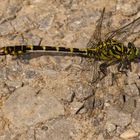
(20, 52)
(137, 52)
(71, 50)
(30, 47)
(119, 47)
(83, 49)
(104, 44)
(5, 50)
(13, 53)
(86, 51)
(57, 49)
(44, 48)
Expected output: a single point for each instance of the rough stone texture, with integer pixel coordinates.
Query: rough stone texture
(129, 7)
(136, 118)
(128, 134)
(118, 117)
(51, 95)
(60, 129)
(6, 29)
(131, 90)
(25, 107)
(110, 127)
(129, 105)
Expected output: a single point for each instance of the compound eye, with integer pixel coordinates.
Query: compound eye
(131, 45)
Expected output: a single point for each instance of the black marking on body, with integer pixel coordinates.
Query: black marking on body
(50, 48)
(63, 49)
(37, 48)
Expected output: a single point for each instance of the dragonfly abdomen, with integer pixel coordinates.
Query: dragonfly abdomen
(17, 50)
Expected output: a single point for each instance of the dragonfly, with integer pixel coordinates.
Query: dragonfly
(109, 50)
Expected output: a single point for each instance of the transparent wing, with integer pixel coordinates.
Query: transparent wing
(94, 65)
(124, 31)
(96, 37)
(93, 42)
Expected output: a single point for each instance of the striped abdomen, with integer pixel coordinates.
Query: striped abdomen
(17, 50)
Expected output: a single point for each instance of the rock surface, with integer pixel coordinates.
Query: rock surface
(26, 108)
(51, 96)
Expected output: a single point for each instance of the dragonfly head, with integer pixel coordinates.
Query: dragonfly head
(133, 52)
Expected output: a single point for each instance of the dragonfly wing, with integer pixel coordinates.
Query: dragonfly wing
(93, 43)
(96, 37)
(124, 31)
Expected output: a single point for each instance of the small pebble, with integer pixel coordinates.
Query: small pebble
(110, 127)
(14, 84)
(128, 134)
(131, 90)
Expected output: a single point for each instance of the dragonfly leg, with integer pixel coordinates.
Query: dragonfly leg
(120, 66)
(103, 67)
(103, 70)
(123, 66)
(23, 58)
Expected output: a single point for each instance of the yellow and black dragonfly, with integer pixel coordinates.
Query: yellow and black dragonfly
(109, 50)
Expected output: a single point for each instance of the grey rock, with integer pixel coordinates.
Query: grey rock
(14, 84)
(30, 74)
(129, 105)
(77, 23)
(136, 118)
(100, 137)
(24, 107)
(132, 78)
(52, 73)
(70, 97)
(97, 120)
(3, 89)
(66, 65)
(98, 103)
(82, 92)
(13, 7)
(128, 134)
(60, 129)
(66, 3)
(131, 90)
(129, 7)
(138, 82)
(53, 21)
(46, 22)
(136, 125)
(3, 75)
(22, 24)
(6, 29)
(118, 117)
(110, 127)
(29, 38)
